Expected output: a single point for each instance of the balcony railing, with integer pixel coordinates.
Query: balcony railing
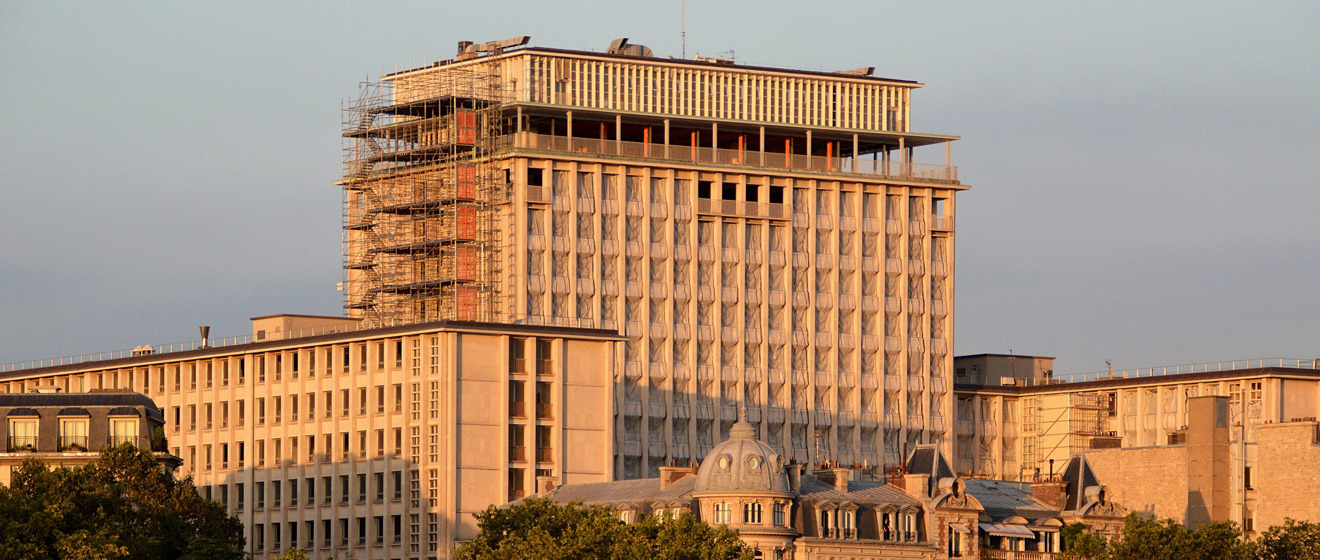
(518, 409)
(1017, 555)
(116, 441)
(22, 443)
(73, 443)
(751, 158)
(517, 453)
(545, 454)
(544, 410)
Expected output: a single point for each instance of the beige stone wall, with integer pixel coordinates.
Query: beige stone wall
(1286, 476)
(412, 425)
(1145, 479)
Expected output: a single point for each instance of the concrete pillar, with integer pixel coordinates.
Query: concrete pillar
(1209, 467)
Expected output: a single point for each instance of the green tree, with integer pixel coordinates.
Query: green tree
(122, 505)
(1081, 543)
(542, 528)
(1294, 540)
(1148, 539)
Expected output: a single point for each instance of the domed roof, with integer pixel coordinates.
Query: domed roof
(741, 464)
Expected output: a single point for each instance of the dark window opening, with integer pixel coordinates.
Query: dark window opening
(730, 191)
(703, 189)
(753, 193)
(534, 176)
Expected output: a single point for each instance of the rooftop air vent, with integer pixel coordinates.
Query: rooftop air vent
(620, 46)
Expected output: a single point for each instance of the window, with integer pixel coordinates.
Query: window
(847, 518)
(723, 513)
(73, 434)
(293, 492)
(752, 514)
(778, 514)
(22, 434)
(311, 494)
(238, 491)
(275, 487)
(362, 487)
(543, 355)
(260, 498)
(955, 542)
(517, 357)
(1049, 541)
(325, 490)
(123, 430)
(343, 489)
(398, 486)
(259, 536)
(1246, 478)
(361, 531)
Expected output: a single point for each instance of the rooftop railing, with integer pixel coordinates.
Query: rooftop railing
(752, 158)
(1205, 367)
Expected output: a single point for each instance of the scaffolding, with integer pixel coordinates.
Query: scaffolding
(422, 195)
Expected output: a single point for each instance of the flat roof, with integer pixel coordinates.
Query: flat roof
(1120, 382)
(256, 346)
(993, 355)
(655, 60)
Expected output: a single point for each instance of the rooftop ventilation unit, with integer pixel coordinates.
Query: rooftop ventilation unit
(620, 46)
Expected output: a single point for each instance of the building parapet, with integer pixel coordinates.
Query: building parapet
(178, 347)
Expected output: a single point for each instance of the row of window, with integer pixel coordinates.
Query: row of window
(307, 405)
(751, 514)
(377, 485)
(73, 433)
(361, 532)
(365, 446)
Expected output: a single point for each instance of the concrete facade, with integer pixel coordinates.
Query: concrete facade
(761, 236)
(375, 443)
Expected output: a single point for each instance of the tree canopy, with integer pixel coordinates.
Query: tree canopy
(542, 528)
(1294, 540)
(122, 505)
(1149, 539)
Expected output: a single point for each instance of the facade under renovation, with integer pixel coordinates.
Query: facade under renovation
(761, 236)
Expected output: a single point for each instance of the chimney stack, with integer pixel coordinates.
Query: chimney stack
(206, 335)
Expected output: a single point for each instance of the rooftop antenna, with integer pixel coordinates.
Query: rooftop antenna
(682, 26)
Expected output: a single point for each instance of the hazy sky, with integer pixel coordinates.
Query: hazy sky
(1145, 176)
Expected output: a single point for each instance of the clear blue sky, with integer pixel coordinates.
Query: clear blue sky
(1146, 176)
